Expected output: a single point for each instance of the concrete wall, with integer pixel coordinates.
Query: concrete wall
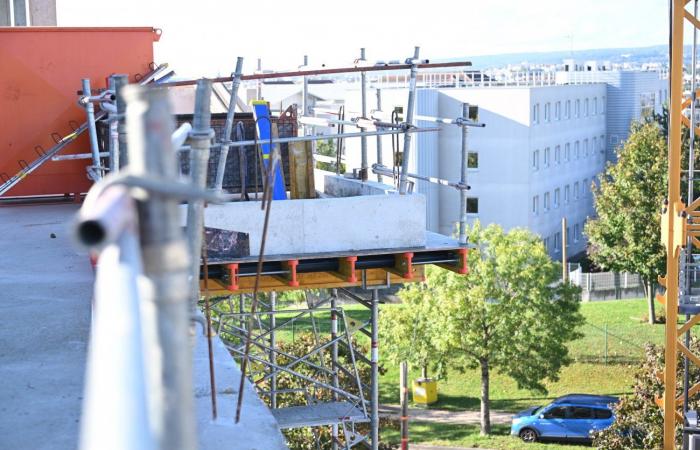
(299, 227)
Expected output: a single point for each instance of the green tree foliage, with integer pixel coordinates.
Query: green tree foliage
(408, 331)
(626, 234)
(509, 314)
(328, 149)
(639, 422)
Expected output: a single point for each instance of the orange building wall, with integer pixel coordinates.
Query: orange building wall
(40, 73)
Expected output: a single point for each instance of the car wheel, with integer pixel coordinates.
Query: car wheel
(528, 435)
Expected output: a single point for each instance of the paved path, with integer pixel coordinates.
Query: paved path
(443, 416)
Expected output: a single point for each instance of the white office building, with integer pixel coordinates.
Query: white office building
(547, 137)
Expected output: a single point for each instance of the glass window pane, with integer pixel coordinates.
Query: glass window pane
(20, 13)
(472, 205)
(473, 160)
(4, 13)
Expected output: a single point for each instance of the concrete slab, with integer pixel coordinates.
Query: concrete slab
(257, 429)
(46, 289)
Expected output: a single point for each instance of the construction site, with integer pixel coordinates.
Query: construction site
(183, 258)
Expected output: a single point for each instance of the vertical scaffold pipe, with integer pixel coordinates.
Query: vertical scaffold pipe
(200, 140)
(165, 267)
(96, 172)
(113, 141)
(463, 177)
(374, 358)
(379, 138)
(273, 350)
(364, 166)
(120, 81)
(407, 137)
(228, 128)
(334, 360)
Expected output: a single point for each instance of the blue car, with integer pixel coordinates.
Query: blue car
(573, 417)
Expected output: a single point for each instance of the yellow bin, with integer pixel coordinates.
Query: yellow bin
(424, 391)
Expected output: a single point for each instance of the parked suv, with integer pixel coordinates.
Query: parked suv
(572, 417)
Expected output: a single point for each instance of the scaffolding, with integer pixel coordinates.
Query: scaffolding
(322, 386)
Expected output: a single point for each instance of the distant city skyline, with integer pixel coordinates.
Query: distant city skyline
(205, 39)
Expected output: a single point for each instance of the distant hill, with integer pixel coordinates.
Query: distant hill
(656, 53)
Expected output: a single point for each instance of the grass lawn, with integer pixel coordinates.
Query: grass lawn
(468, 436)
(589, 373)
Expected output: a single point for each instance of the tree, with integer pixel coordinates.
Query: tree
(510, 313)
(328, 149)
(408, 330)
(639, 421)
(626, 234)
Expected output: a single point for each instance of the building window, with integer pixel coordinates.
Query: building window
(585, 108)
(14, 13)
(547, 112)
(568, 236)
(567, 152)
(602, 105)
(472, 205)
(584, 188)
(546, 157)
(602, 143)
(536, 205)
(646, 104)
(577, 150)
(585, 148)
(576, 191)
(536, 113)
(557, 241)
(595, 145)
(556, 198)
(576, 232)
(566, 194)
(557, 111)
(546, 244)
(567, 109)
(545, 206)
(557, 154)
(536, 160)
(577, 108)
(472, 160)
(595, 105)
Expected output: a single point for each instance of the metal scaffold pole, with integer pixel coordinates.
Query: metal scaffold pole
(463, 178)
(96, 170)
(363, 140)
(113, 140)
(228, 128)
(334, 361)
(200, 138)
(273, 351)
(305, 95)
(120, 81)
(403, 178)
(374, 358)
(165, 266)
(379, 138)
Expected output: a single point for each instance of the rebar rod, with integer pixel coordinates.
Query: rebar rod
(200, 138)
(165, 266)
(403, 179)
(228, 128)
(305, 95)
(207, 316)
(363, 140)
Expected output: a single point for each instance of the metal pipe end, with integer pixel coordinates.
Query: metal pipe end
(91, 233)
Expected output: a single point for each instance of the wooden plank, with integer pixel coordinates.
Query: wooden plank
(301, 170)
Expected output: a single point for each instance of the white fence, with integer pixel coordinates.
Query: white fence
(607, 285)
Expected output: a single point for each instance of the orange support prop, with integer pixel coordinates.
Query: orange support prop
(291, 265)
(404, 265)
(233, 277)
(347, 268)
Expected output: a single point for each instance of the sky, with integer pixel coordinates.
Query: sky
(204, 37)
